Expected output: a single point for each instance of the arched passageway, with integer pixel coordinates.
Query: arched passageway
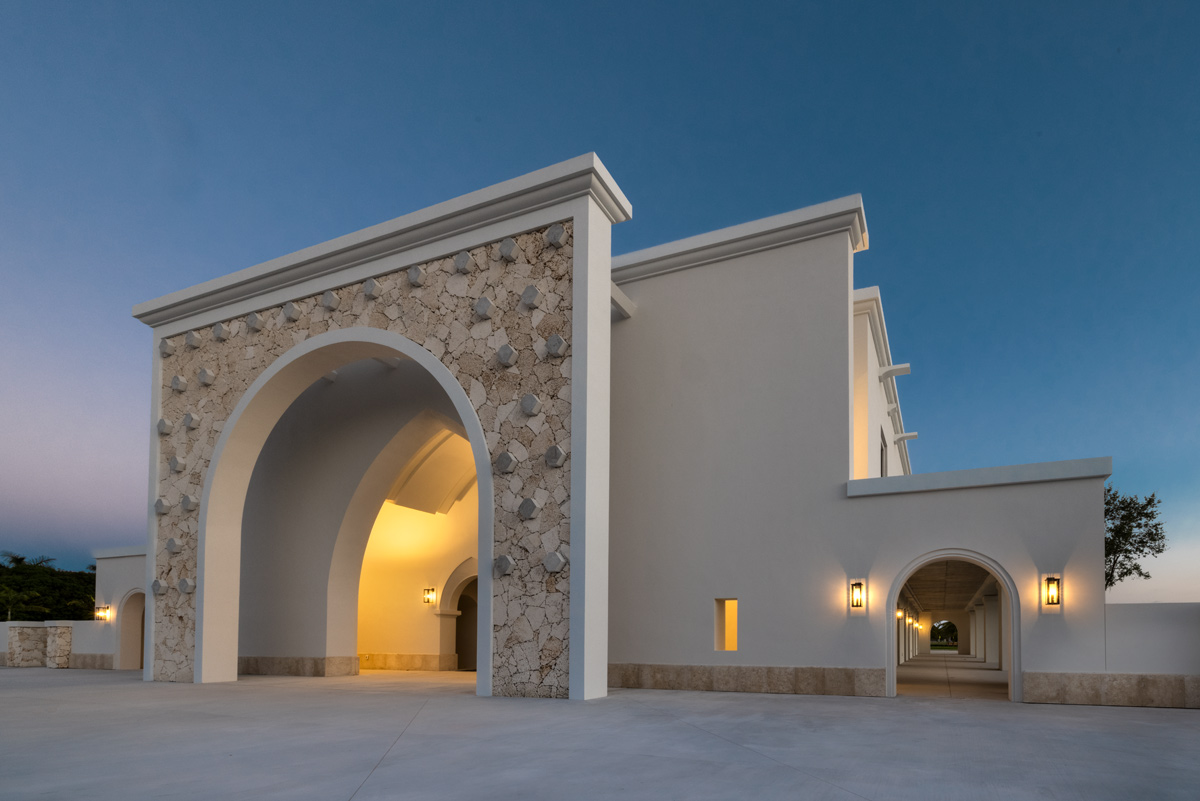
(350, 484)
(974, 598)
(131, 637)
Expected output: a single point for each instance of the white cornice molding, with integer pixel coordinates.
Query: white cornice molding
(1035, 473)
(583, 176)
(844, 215)
(868, 301)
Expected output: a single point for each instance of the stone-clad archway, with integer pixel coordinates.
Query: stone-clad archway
(494, 321)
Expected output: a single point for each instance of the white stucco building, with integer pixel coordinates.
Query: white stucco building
(471, 437)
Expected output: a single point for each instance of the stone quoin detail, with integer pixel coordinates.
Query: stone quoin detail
(463, 311)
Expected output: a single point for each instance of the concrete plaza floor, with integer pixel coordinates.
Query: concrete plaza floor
(75, 734)
(950, 675)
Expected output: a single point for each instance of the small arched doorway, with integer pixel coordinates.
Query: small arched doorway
(973, 596)
(131, 632)
(465, 639)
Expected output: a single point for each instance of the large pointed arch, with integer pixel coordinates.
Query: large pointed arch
(234, 457)
(987, 563)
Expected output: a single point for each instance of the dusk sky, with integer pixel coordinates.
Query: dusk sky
(1030, 172)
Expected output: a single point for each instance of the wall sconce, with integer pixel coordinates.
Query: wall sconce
(908, 621)
(1053, 596)
(856, 595)
(104, 613)
(899, 613)
(429, 595)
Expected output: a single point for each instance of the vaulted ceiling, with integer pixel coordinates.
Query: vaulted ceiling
(946, 585)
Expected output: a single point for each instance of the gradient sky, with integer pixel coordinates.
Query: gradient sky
(1031, 176)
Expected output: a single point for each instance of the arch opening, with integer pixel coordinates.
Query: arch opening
(358, 490)
(131, 636)
(955, 633)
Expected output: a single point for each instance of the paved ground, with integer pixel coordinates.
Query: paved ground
(951, 676)
(106, 735)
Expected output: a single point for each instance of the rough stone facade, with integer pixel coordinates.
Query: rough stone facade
(58, 646)
(26, 645)
(437, 305)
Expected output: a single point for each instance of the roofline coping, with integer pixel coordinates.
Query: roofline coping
(117, 553)
(1037, 472)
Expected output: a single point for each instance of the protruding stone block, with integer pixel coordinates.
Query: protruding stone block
(372, 289)
(222, 332)
(506, 354)
(292, 312)
(485, 308)
(554, 562)
(177, 465)
(555, 456)
(417, 275)
(255, 321)
(174, 545)
(509, 250)
(179, 383)
(161, 506)
(187, 585)
(165, 426)
(165, 348)
(191, 421)
(464, 262)
(206, 376)
(532, 296)
(193, 339)
(158, 587)
(556, 346)
(330, 300)
(189, 504)
(529, 509)
(556, 235)
(506, 462)
(531, 404)
(503, 565)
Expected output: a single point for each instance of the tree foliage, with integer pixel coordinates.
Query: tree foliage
(1131, 531)
(944, 631)
(33, 589)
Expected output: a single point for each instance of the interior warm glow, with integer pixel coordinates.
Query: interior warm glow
(727, 624)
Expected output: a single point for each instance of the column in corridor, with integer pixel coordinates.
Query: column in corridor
(991, 605)
(967, 644)
(979, 634)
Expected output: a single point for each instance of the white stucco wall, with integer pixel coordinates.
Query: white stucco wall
(732, 443)
(120, 574)
(93, 637)
(1153, 638)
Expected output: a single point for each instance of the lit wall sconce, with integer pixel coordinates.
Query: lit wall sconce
(1053, 592)
(430, 595)
(104, 613)
(856, 595)
(899, 613)
(908, 621)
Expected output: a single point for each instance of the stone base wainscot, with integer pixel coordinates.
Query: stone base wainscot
(408, 661)
(867, 682)
(298, 665)
(1113, 689)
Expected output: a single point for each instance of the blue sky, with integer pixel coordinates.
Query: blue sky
(1029, 173)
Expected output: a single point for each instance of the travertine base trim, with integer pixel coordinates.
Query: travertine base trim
(750, 679)
(408, 661)
(1113, 689)
(91, 661)
(4, 658)
(298, 665)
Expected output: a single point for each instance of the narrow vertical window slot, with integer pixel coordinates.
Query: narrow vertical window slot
(726, 624)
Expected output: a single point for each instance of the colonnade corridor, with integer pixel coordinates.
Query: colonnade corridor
(968, 658)
(951, 675)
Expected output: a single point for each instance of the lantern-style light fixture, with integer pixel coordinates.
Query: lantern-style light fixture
(1053, 596)
(104, 613)
(429, 595)
(899, 613)
(856, 595)
(908, 621)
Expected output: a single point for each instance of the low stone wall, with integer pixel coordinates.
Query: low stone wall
(26, 644)
(298, 665)
(408, 661)
(91, 661)
(58, 645)
(868, 682)
(1113, 689)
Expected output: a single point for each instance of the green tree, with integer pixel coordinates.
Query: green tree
(19, 603)
(1131, 531)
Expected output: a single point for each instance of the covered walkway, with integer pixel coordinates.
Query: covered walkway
(951, 675)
